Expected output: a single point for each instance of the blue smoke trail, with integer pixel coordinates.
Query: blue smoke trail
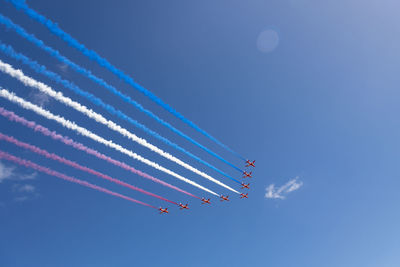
(53, 27)
(8, 50)
(30, 37)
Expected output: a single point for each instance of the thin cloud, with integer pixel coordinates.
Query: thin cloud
(39, 98)
(22, 191)
(63, 67)
(294, 186)
(25, 188)
(6, 172)
(29, 176)
(281, 192)
(21, 199)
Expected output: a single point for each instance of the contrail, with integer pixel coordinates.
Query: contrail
(28, 81)
(68, 141)
(71, 125)
(8, 50)
(77, 166)
(39, 43)
(36, 167)
(56, 30)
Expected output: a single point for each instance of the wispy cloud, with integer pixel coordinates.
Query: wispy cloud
(21, 199)
(23, 192)
(281, 192)
(39, 98)
(24, 188)
(29, 176)
(63, 67)
(6, 172)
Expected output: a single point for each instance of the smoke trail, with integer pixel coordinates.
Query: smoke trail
(39, 43)
(71, 125)
(53, 27)
(77, 166)
(36, 167)
(52, 134)
(28, 81)
(8, 50)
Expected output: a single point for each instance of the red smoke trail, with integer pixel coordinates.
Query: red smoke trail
(29, 164)
(43, 130)
(76, 165)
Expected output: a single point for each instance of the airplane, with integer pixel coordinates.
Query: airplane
(247, 174)
(249, 163)
(183, 206)
(224, 198)
(205, 201)
(245, 186)
(163, 210)
(244, 195)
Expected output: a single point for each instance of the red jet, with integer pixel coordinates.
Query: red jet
(226, 198)
(247, 174)
(205, 201)
(245, 186)
(244, 195)
(249, 163)
(183, 206)
(163, 210)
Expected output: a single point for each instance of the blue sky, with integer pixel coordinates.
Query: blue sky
(322, 106)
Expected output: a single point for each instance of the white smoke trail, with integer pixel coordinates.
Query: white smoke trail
(28, 81)
(71, 125)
